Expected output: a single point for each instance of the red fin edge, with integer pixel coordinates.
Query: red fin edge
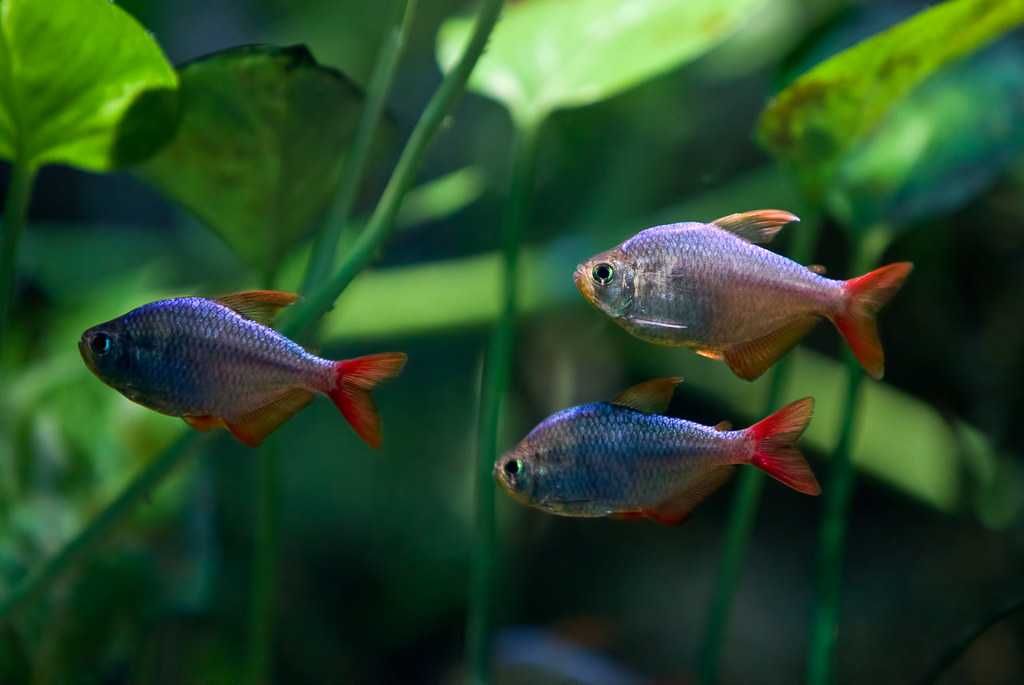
(865, 296)
(355, 379)
(775, 450)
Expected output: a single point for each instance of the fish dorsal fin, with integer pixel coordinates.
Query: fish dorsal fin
(255, 426)
(817, 268)
(758, 226)
(723, 426)
(750, 359)
(651, 397)
(259, 305)
(674, 510)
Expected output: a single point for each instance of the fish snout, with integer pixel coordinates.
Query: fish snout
(583, 283)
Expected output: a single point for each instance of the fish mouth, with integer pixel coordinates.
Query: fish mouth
(583, 283)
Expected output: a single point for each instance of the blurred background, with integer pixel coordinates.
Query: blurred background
(375, 547)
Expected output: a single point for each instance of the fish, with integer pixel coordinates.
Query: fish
(218, 363)
(626, 459)
(712, 288)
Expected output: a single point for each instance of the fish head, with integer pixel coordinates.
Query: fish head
(539, 471)
(106, 350)
(518, 472)
(607, 281)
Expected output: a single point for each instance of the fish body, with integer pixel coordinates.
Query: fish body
(619, 459)
(711, 288)
(215, 361)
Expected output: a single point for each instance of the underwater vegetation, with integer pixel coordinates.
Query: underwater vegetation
(218, 210)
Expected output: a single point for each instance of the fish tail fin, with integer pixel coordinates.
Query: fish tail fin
(865, 295)
(775, 450)
(354, 379)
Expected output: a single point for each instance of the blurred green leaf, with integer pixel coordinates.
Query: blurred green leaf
(81, 83)
(551, 54)
(825, 112)
(262, 141)
(937, 148)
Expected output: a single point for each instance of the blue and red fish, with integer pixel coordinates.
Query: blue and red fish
(217, 362)
(625, 459)
(711, 288)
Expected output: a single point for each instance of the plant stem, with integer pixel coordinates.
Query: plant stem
(325, 246)
(746, 501)
(867, 248)
(494, 382)
(957, 649)
(138, 490)
(264, 594)
(303, 313)
(19, 191)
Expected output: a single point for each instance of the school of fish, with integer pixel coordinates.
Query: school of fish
(706, 286)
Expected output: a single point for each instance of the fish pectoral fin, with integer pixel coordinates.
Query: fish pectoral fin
(723, 426)
(259, 305)
(203, 423)
(750, 359)
(817, 269)
(758, 226)
(654, 323)
(651, 397)
(252, 428)
(677, 508)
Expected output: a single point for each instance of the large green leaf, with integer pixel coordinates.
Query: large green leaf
(827, 111)
(550, 54)
(81, 83)
(937, 148)
(263, 137)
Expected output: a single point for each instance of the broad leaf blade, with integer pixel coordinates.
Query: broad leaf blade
(828, 110)
(551, 54)
(263, 136)
(81, 83)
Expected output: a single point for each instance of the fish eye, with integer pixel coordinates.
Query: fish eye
(603, 273)
(100, 343)
(513, 467)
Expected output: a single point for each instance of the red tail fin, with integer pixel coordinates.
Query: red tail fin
(775, 450)
(354, 381)
(865, 295)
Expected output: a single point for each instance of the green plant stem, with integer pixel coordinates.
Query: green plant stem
(867, 248)
(19, 191)
(302, 314)
(135, 492)
(264, 594)
(746, 501)
(325, 246)
(957, 649)
(497, 367)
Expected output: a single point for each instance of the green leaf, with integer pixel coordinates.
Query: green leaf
(938, 148)
(263, 137)
(81, 83)
(550, 54)
(822, 115)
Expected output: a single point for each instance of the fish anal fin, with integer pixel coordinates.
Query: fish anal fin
(676, 509)
(628, 515)
(750, 359)
(651, 397)
(252, 428)
(758, 226)
(203, 423)
(259, 305)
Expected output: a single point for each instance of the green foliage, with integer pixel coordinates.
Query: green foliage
(263, 137)
(822, 115)
(553, 54)
(81, 83)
